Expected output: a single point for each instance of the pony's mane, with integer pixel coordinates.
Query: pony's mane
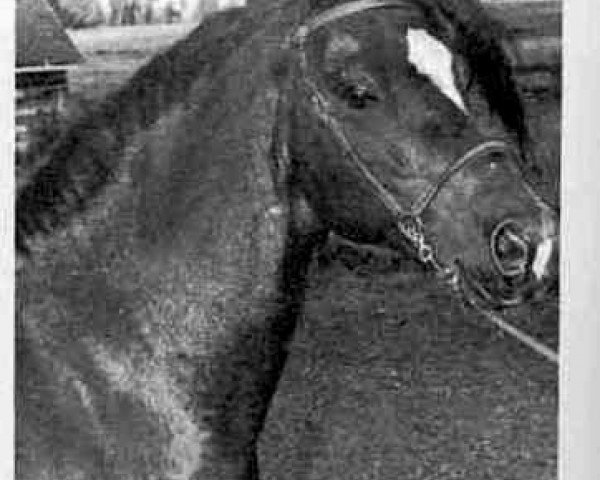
(86, 156)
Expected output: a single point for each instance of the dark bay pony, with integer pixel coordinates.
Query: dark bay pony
(166, 241)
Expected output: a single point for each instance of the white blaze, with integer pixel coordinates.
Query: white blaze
(433, 59)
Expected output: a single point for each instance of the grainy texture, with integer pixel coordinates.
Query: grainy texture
(387, 377)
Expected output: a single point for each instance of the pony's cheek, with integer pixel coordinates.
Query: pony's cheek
(459, 239)
(455, 230)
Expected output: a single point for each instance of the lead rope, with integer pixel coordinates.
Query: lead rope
(451, 277)
(513, 331)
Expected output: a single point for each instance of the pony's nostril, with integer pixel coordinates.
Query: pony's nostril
(510, 250)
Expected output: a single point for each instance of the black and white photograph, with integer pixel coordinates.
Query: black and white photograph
(289, 239)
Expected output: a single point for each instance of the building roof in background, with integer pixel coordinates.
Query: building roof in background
(40, 38)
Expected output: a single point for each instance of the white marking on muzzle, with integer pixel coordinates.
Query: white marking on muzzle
(434, 60)
(542, 258)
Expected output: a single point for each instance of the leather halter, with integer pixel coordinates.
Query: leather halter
(408, 223)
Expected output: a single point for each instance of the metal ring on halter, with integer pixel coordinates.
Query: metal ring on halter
(518, 269)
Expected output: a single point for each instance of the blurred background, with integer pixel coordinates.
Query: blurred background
(70, 53)
(87, 13)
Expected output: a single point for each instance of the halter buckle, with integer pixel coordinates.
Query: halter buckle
(425, 252)
(411, 227)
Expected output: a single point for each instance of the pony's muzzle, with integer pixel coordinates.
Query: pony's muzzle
(510, 249)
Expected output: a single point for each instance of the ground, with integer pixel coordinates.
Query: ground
(389, 377)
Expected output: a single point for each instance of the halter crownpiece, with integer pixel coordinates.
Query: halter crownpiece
(409, 8)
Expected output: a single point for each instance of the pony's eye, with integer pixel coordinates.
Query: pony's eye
(355, 87)
(358, 95)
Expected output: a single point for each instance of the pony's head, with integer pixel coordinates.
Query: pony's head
(408, 109)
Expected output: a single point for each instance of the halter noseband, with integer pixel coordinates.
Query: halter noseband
(408, 223)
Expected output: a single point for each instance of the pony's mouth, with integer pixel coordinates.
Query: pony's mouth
(520, 271)
(493, 291)
(510, 249)
(501, 288)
